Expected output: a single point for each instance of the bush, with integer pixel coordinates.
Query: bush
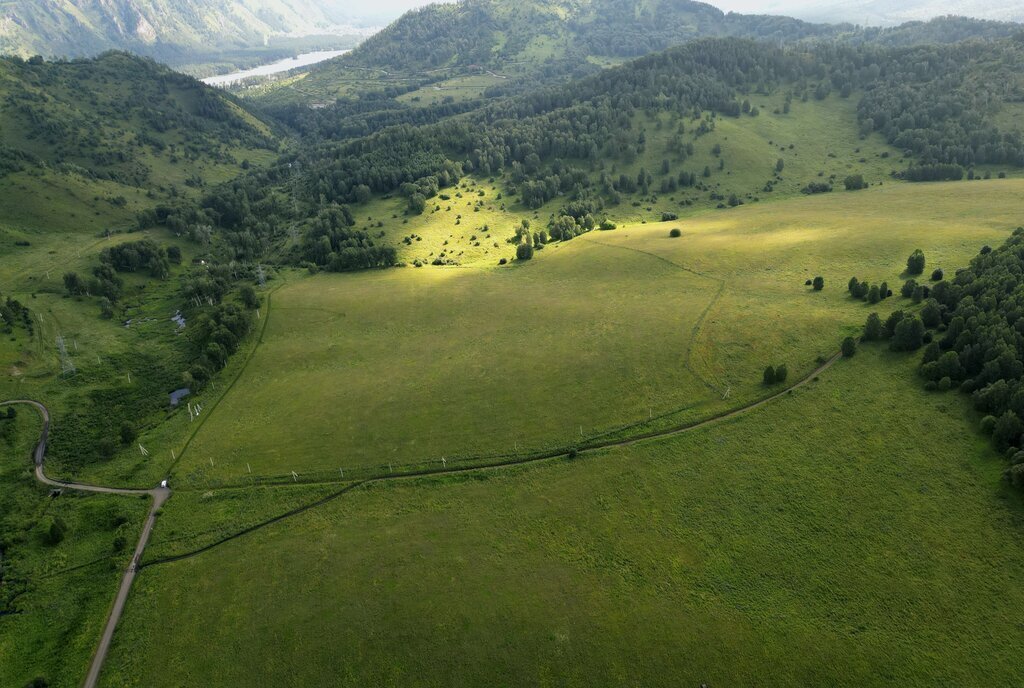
(855, 182)
(945, 384)
(128, 433)
(988, 424)
(1015, 475)
(669, 217)
(781, 373)
(675, 233)
(503, 261)
(524, 252)
(769, 376)
(819, 283)
(937, 275)
(848, 347)
(53, 530)
(915, 263)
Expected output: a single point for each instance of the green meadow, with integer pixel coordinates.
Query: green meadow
(398, 369)
(855, 533)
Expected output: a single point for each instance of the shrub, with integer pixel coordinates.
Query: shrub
(988, 424)
(855, 182)
(524, 252)
(819, 283)
(907, 290)
(503, 261)
(53, 530)
(128, 433)
(669, 217)
(675, 233)
(915, 263)
(769, 376)
(781, 373)
(937, 274)
(945, 384)
(1015, 475)
(849, 347)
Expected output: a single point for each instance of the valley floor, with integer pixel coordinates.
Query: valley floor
(854, 532)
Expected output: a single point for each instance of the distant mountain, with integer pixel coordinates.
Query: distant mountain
(164, 29)
(523, 41)
(499, 32)
(887, 12)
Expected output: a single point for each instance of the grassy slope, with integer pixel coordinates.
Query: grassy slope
(855, 534)
(411, 365)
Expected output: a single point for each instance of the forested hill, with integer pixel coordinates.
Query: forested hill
(948, 108)
(121, 118)
(501, 34)
(164, 29)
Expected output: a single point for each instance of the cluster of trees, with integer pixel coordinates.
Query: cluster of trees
(934, 172)
(979, 317)
(872, 293)
(14, 314)
(146, 254)
(216, 335)
(331, 243)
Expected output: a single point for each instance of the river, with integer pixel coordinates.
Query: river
(287, 64)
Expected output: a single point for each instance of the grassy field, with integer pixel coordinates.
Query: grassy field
(854, 534)
(408, 366)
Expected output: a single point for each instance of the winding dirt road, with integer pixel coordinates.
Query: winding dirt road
(159, 495)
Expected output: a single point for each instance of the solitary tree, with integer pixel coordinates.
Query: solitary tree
(819, 283)
(915, 263)
(849, 347)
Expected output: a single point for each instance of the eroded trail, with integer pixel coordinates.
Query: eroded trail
(159, 495)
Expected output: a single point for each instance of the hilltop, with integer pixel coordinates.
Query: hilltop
(474, 47)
